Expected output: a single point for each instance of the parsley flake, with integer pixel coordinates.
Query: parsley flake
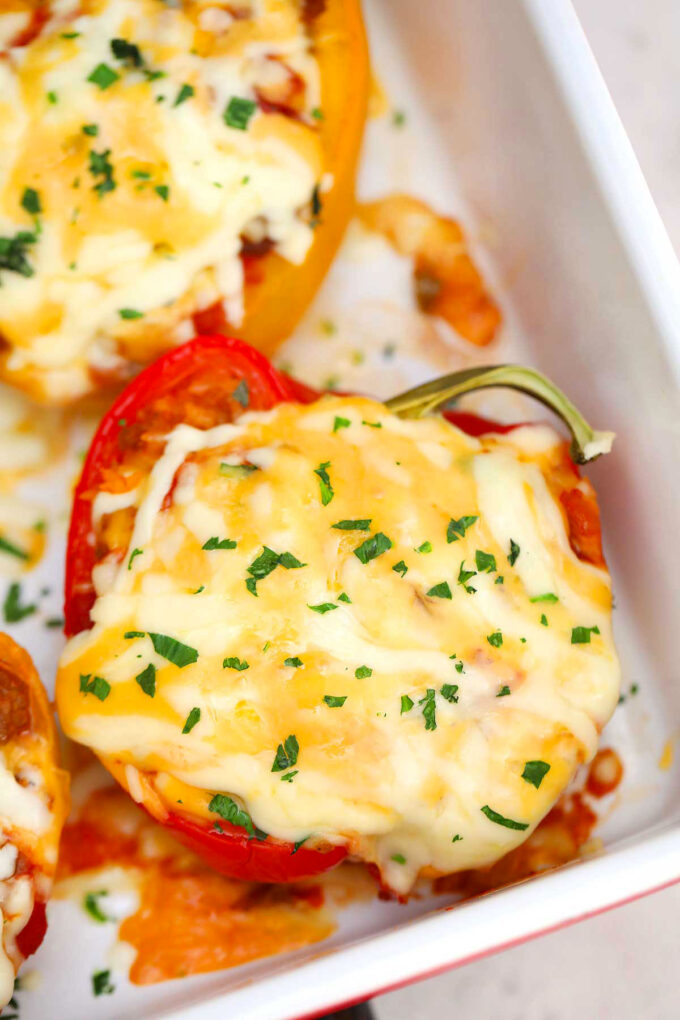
(90, 129)
(535, 772)
(193, 717)
(267, 561)
(373, 547)
(323, 607)
(503, 691)
(429, 709)
(406, 704)
(289, 776)
(463, 578)
(334, 700)
(219, 543)
(495, 639)
(103, 76)
(581, 635)
(341, 423)
(233, 662)
(344, 597)
(514, 552)
(101, 983)
(485, 562)
(12, 550)
(13, 252)
(324, 482)
(426, 547)
(30, 200)
(186, 92)
(456, 528)
(97, 685)
(130, 313)
(229, 810)
(101, 167)
(147, 680)
(242, 394)
(133, 555)
(163, 191)
(450, 692)
(126, 52)
(362, 524)
(91, 906)
(174, 651)
(362, 672)
(400, 568)
(548, 597)
(12, 607)
(293, 661)
(286, 754)
(238, 112)
(440, 591)
(509, 823)
(398, 858)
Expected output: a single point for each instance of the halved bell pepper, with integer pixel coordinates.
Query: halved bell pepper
(205, 383)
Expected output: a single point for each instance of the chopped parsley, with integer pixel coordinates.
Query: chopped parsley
(362, 524)
(544, 620)
(548, 597)
(238, 112)
(463, 578)
(485, 562)
(296, 846)
(242, 393)
(101, 167)
(219, 543)
(362, 672)
(163, 191)
(130, 313)
(440, 591)
(13, 252)
(286, 754)
(127, 52)
(317, 113)
(325, 486)
(101, 983)
(233, 662)
(134, 633)
(70, 35)
(90, 129)
(535, 772)
(398, 119)
(12, 607)
(514, 552)
(398, 858)
(91, 906)
(289, 776)
(267, 561)
(406, 704)
(103, 76)
(426, 547)
(30, 201)
(173, 650)
(229, 810)
(334, 700)
(11, 549)
(456, 528)
(316, 208)
(450, 692)
(294, 661)
(133, 554)
(186, 92)
(400, 568)
(495, 639)
(97, 685)
(429, 709)
(456, 838)
(509, 823)
(581, 635)
(372, 424)
(500, 579)
(344, 597)
(147, 680)
(503, 691)
(323, 607)
(374, 546)
(341, 423)
(193, 717)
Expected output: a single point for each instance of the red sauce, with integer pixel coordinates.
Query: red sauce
(606, 772)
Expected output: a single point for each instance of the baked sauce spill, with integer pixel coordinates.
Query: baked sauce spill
(191, 920)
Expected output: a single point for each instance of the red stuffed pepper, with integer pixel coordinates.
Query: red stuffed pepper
(304, 627)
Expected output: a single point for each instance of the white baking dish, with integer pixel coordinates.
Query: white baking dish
(510, 125)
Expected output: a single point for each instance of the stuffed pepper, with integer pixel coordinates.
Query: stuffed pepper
(166, 164)
(304, 626)
(33, 804)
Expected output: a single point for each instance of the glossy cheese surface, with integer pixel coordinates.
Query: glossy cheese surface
(398, 597)
(151, 145)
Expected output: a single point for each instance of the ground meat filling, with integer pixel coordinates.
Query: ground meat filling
(15, 706)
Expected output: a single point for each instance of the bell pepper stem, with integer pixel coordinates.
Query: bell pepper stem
(587, 443)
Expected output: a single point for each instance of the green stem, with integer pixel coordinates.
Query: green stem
(587, 443)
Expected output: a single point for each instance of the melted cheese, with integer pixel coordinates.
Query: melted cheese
(367, 774)
(100, 252)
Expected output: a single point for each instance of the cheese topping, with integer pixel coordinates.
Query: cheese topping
(374, 632)
(140, 143)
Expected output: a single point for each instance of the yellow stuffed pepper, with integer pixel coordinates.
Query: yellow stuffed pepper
(167, 166)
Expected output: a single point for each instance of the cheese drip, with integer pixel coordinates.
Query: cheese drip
(136, 128)
(451, 683)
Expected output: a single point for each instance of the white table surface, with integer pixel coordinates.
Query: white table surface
(623, 964)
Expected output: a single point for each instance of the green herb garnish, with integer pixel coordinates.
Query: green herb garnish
(173, 650)
(440, 591)
(133, 555)
(229, 810)
(341, 423)
(323, 607)
(293, 661)
(103, 76)
(514, 552)
(12, 607)
(535, 772)
(186, 92)
(101, 167)
(400, 568)
(495, 639)
(362, 672)
(242, 394)
(30, 200)
(286, 754)
(456, 528)
(485, 562)
(509, 823)
(101, 983)
(373, 547)
(130, 313)
(362, 524)
(97, 685)
(406, 704)
(233, 662)
(11, 549)
(324, 482)
(463, 578)
(426, 547)
(335, 701)
(548, 597)
(238, 112)
(450, 692)
(91, 906)
(429, 709)
(147, 680)
(218, 543)
(581, 635)
(193, 717)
